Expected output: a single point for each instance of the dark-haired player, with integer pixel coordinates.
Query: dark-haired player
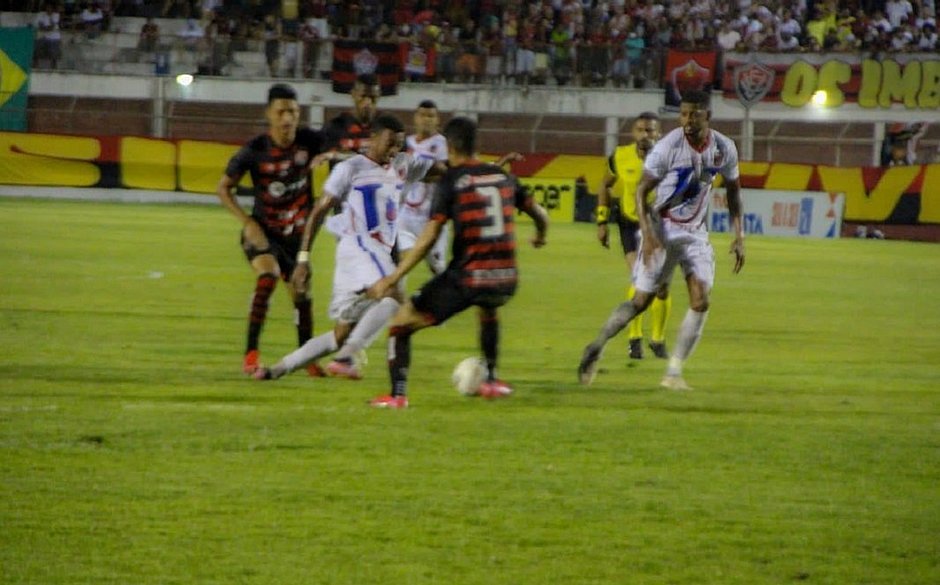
(673, 231)
(480, 199)
(365, 189)
(276, 235)
(428, 143)
(624, 170)
(349, 133)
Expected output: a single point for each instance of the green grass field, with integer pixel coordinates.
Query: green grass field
(133, 451)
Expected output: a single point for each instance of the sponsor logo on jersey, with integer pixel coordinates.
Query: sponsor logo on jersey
(276, 189)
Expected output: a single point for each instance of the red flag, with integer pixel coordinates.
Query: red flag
(354, 58)
(686, 71)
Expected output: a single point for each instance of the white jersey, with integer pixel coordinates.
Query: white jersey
(370, 195)
(686, 175)
(416, 196)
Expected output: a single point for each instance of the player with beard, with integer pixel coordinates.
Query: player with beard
(673, 230)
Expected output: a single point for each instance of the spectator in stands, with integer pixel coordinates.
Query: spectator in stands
(928, 38)
(271, 33)
(48, 35)
(560, 52)
(310, 43)
(728, 38)
(469, 63)
(898, 12)
(219, 52)
(900, 144)
(149, 36)
(525, 53)
(92, 20)
(510, 32)
(446, 48)
(192, 35)
(493, 50)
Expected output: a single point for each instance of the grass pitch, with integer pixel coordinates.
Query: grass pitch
(132, 450)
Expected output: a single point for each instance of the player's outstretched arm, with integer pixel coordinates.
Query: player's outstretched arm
(733, 192)
(509, 157)
(424, 242)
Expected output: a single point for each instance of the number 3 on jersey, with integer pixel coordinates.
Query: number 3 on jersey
(494, 213)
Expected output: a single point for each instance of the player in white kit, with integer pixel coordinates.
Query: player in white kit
(367, 190)
(673, 230)
(416, 197)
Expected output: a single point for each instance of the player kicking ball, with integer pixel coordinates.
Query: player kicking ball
(480, 199)
(367, 189)
(681, 168)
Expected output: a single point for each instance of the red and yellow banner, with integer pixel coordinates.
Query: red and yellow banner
(900, 195)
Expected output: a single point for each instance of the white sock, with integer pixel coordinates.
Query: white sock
(689, 333)
(316, 347)
(368, 328)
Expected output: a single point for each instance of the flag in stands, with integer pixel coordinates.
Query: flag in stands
(687, 71)
(354, 58)
(16, 55)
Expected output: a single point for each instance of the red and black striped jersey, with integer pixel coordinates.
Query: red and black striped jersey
(480, 199)
(345, 133)
(281, 179)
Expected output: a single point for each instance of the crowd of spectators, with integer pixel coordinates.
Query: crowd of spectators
(584, 41)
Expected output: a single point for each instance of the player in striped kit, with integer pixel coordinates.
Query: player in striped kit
(367, 190)
(273, 235)
(480, 199)
(673, 230)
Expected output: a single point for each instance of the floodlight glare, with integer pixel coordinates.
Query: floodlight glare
(819, 97)
(184, 79)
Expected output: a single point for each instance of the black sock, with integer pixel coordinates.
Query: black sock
(399, 358)
(489, 343)
(303, 318)
(259, 308)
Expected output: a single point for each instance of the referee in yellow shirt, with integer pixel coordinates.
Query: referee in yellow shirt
(624, 170)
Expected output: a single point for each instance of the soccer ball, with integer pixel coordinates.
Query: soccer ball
(468, 375)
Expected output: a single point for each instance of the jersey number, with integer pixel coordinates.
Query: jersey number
(494, 213)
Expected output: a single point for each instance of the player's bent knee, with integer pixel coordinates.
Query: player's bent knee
(641, 300)
(699, 305)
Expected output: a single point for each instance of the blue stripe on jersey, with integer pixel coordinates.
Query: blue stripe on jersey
(683, 181)
(368, 204)
(371, 255)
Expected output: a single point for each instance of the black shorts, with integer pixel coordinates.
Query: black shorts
(629, 234)
(444, 296)
(283, 249)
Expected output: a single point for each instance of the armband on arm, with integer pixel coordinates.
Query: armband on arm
(603, 214)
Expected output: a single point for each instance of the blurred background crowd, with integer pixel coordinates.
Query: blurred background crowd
(583, 42)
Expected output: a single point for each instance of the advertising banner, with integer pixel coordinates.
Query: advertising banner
(911, 79)
(807, 214)
(555, 195)
(16, 55)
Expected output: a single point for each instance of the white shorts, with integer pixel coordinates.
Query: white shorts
(692, 252)
(410, 226)
(360, 263)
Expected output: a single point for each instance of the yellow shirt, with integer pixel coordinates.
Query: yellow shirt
(625, 164)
